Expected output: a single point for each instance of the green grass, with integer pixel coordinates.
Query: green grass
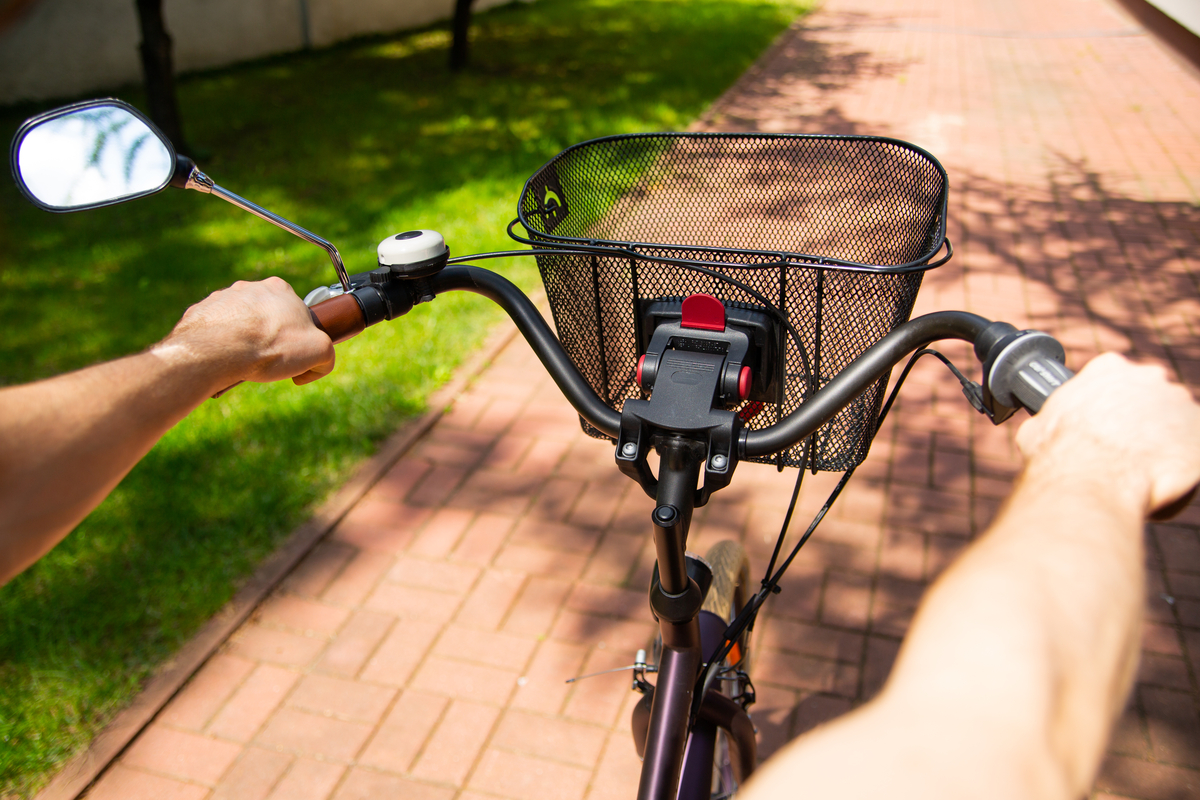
(354, 142)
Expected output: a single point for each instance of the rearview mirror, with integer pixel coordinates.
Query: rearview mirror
(90, 154)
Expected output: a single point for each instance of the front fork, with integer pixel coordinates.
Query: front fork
(675, 599)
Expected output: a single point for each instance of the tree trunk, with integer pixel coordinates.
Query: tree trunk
(462, 26)
(155, 50)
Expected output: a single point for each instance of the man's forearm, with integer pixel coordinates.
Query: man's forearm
(1012, 671)
(66, 442)
(70, 439)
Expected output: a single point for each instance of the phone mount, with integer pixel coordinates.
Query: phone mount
(697, 367)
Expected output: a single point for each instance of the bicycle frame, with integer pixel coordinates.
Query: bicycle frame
(676, 599)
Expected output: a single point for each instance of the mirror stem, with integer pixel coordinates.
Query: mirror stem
(200, 182)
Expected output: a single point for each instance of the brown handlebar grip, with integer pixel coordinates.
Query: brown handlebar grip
(340, 317)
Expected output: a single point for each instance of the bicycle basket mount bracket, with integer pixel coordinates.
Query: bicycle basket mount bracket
(815, 245)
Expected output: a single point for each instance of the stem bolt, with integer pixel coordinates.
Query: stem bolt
(629, 449)
(718, 462)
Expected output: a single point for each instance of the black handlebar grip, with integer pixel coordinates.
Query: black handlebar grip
(1036, 379)
(340, 317)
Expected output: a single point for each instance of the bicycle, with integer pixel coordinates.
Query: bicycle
(682, 331)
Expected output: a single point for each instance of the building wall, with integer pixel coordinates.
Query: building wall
(70, 47)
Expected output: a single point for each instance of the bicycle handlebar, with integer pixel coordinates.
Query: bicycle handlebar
(1028, 373)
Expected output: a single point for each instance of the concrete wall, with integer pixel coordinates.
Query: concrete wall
(70, 47)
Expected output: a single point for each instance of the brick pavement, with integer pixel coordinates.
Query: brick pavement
(420, 651)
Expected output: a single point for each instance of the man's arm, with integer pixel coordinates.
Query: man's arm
(1021, 655)
(69, 440)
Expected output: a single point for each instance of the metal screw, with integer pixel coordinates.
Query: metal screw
(629, 449)
(718, 462)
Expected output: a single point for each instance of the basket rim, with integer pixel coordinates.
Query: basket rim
(788, 258)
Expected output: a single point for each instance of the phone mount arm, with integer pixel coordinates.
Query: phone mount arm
(200, 182)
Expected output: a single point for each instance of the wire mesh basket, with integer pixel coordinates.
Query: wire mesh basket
(833, 231)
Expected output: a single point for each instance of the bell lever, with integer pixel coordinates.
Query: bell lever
(197, 180)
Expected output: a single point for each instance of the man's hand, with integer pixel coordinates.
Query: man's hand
(257, 332)
(1123, 422)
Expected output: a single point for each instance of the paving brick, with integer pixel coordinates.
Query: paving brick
(1183, 584)
(396, 484)
(1129, 737)
(485, 647)
(257, 643)
(358, 578)
(616, 778)
(301, 615)
(539, 561)
(312, 575)
(604, 632)
(400, 652)
(846, 600)
(537, 607)
(507, 493)
(437, 485)
(1163, 671)
(543, 687)
(773, 714)
(389, 528)
(817, 709)
(613, 558)
(404, 731)
(311, 734)
(525, 778)
(598, 699)
(798, 637)
(253, 703)
(489, 601)
(122, 783)
(440, 535)
(1173, 722)
(363, 784)
(610, 601)
(344, 699)
(253, 776)
(206, 692)
(354, 643)
(507, 452)
(437, 575)
(550, 737)
(1132, 777)
(464, 681)
(483, 539)
(792, 671)
(308, 779)
(182, 755)
(597, 504)
(554, 536)
(414, 605)
(453, 748)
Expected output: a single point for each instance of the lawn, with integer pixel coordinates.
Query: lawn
(354, 142)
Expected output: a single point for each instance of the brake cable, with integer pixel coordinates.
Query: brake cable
(770, 582)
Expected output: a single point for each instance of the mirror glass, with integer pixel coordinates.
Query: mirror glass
(92, 156)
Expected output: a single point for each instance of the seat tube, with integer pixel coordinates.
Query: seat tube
(675, 600)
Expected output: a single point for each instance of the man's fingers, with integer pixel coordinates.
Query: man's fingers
(316, 373)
